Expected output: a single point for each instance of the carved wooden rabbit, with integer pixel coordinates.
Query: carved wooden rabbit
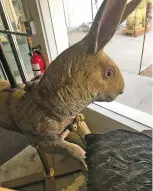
(79, 76)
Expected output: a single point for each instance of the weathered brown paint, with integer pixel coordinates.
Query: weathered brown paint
(75, 79)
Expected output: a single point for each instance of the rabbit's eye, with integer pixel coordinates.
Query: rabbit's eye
(109, 72)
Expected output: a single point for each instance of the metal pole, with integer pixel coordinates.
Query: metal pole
(7, 68)
(3, 71)
(49, 170)
(92, 14)
(13, 43)
(144, 38)
(14, 33)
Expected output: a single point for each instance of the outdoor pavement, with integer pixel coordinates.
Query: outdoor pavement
(137, 93)
(126, 52)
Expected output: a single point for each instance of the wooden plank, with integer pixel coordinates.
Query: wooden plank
(23, 181)
(62, 170)
(50, 184)
(5, 189)
(34, 178)
(137, 32)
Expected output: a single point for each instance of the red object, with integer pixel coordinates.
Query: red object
(37, 62)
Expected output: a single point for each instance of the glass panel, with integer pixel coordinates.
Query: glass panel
(9, 55)
(124, 49)
(1, 73)
(17, 18)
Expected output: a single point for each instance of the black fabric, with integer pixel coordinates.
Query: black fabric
(11, 143)
(119, 160)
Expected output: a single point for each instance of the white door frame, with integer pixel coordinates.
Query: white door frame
(51, 13)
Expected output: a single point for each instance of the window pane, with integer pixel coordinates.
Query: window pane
(124, 49)
(17, 18)
(9, 55)
(1, 73)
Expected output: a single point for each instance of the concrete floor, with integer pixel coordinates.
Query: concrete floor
(137, 93)
(23, 164)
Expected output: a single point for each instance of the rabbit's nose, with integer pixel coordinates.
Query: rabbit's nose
(121, 92)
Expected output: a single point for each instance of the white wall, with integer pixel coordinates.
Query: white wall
(48, 16)
(32, 14)
(59, 25)
(77, 12)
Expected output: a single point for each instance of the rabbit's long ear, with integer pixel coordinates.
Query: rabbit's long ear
(130, 8)
(105, 23)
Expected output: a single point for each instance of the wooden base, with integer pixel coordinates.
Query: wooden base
(50, 185)
(138, 32)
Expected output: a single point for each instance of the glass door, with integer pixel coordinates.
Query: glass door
(16, 46)
(2, 72)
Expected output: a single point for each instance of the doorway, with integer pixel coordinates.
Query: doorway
(13, 38)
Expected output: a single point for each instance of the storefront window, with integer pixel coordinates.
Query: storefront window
(9, 55)
(125, 48)
(16, 17)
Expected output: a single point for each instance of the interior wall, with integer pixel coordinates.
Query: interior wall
(49, 19)
(77, 12)
(31, 14)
